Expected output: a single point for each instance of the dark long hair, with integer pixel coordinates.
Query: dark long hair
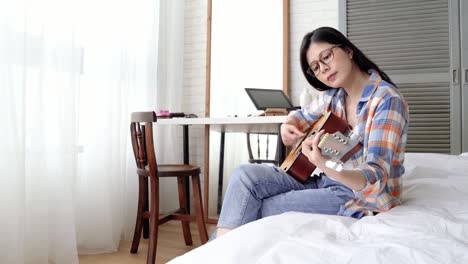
(333, 36)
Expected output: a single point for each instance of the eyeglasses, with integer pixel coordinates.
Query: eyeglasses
(325, 57)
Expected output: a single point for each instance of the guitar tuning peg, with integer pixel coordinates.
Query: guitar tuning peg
(355, 137)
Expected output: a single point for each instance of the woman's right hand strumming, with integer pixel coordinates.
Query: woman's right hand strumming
(290, 134)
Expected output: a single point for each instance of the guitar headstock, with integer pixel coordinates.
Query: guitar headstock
(337, 145)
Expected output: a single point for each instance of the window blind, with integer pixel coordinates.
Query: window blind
(409, 40)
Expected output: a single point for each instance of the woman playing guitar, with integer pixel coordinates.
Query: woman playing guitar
(353, 88)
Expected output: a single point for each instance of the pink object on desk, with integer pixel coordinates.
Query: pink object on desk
(163, 113)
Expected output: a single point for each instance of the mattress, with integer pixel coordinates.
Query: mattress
(431, 226)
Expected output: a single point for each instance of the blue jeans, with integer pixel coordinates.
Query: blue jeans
(256, 191)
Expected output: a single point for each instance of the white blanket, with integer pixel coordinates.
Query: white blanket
(430, 227)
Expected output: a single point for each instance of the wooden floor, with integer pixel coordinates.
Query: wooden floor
(170, 245)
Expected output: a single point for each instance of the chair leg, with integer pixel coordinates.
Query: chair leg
(146, 221)
(199, 208)
(139, 218)
(183, 209)
(154, 221)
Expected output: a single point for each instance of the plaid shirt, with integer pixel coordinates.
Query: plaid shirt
(382, 123)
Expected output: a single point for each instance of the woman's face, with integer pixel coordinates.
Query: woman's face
(332, 71)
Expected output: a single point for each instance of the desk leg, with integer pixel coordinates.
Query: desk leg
(220, 173)
(281, 148)
(186, 161)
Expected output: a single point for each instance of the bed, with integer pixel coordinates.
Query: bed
(430, 227)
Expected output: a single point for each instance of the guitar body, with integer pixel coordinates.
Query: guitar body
(298, 165)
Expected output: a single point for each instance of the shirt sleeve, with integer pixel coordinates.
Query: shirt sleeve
(306, 117)
(385, 132)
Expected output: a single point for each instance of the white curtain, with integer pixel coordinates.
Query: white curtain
(170, 85)
(70, 74)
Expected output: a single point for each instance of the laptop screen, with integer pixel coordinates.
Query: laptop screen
(269, 98)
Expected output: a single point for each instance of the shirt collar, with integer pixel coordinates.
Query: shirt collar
(372, 83)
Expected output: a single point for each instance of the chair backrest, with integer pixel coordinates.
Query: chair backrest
(260, 149)
(141, 131)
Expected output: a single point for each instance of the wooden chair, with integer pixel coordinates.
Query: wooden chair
(141, 129)
(263, 154)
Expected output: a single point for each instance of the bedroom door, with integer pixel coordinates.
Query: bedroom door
(417, 43)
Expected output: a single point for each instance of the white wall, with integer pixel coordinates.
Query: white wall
(195, 73)
(305, 16)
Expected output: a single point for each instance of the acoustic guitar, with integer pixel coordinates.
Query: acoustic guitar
(338, 143)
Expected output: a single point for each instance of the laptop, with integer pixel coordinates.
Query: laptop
(269, 98)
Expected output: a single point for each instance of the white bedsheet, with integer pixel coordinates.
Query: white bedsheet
(430, 227)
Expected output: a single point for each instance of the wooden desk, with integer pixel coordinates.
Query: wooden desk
(263, 124)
